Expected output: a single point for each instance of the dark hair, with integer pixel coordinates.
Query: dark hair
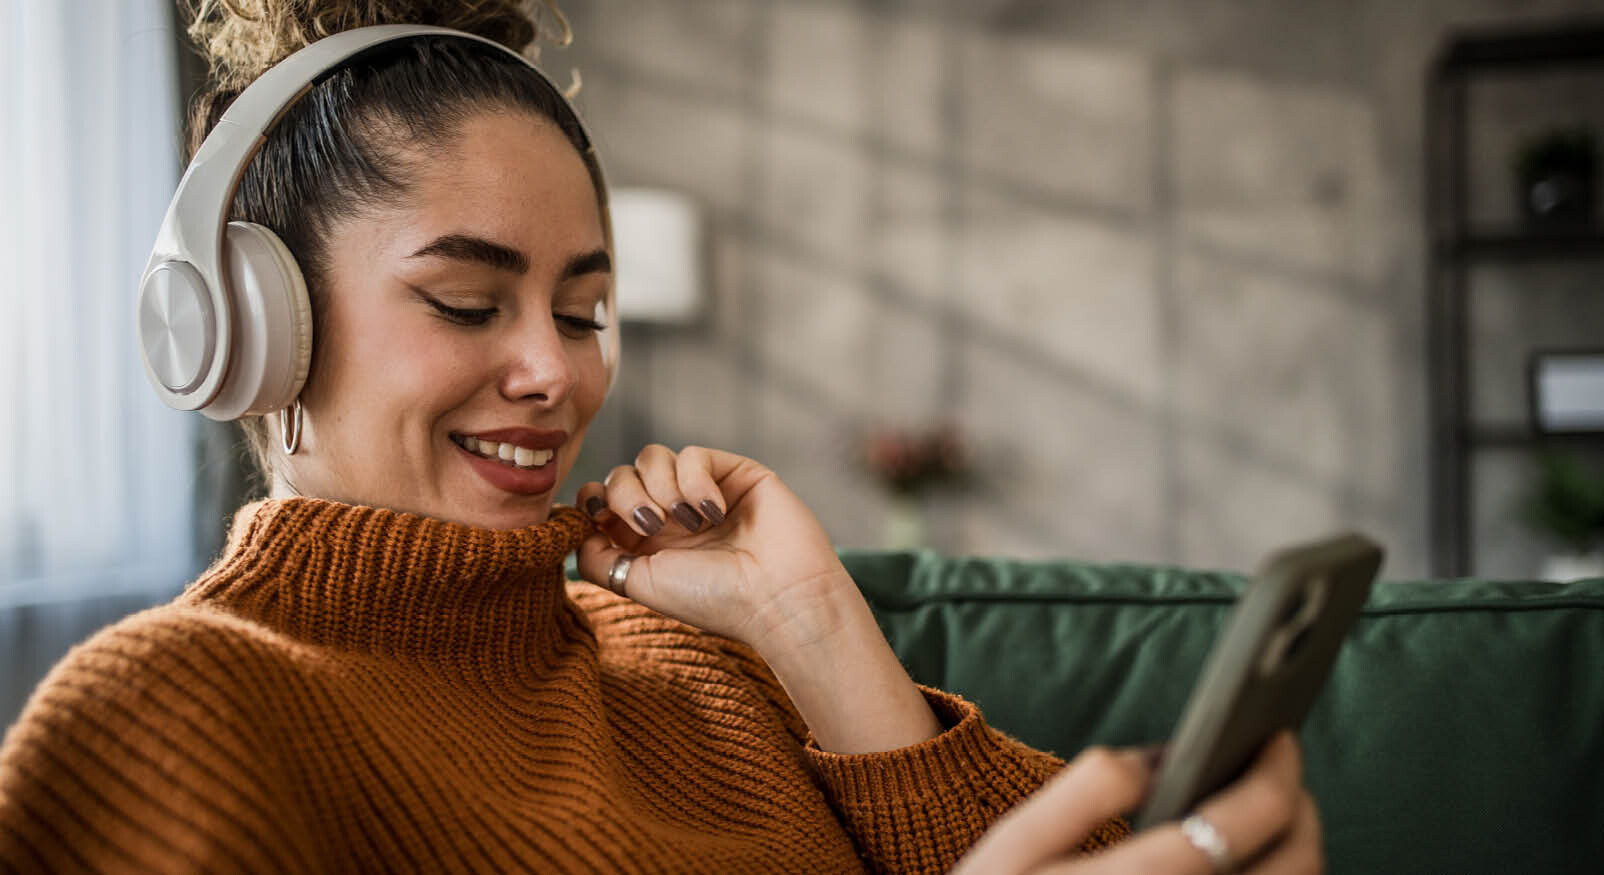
(344, 147)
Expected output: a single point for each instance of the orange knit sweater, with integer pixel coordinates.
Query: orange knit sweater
(350, 688)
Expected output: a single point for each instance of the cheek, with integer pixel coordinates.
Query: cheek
(401, 371)
(590, 387)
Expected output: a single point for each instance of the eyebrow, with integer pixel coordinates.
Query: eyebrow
(478, 250)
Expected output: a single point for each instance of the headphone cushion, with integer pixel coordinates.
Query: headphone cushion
(272, 325)
(300, 325)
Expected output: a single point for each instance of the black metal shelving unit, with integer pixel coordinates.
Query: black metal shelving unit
(1456, 246)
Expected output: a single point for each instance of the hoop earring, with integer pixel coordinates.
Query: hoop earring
(290, 428)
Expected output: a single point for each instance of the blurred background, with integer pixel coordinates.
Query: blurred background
(1166, 281)
(1162, 266)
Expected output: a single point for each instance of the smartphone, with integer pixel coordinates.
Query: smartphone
(1265, 670)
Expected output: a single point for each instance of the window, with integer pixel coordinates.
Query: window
(96, 475)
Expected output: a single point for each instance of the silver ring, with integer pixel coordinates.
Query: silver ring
(620, 573)
(1209, 840)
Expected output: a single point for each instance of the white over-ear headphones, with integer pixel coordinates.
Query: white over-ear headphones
(240, 344)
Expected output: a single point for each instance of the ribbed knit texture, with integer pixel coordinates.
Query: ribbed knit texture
(350, 688)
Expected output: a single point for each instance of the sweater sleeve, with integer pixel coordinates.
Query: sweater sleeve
(919, 808)
(128, 758)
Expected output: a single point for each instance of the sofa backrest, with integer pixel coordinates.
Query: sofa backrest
(1462, 729)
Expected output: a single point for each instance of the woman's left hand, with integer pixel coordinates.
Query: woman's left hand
(720, 543)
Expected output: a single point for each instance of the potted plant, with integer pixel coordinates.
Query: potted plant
(910, 463)
(1555, 176)
(1568, 507)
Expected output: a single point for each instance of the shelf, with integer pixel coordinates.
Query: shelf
(1520, 244)
(1577, 42)
(1456, 245)
(1522, 436)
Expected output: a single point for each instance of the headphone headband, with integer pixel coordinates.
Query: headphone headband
(188, 318)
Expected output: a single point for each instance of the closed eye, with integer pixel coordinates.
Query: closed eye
(572, 325)
(577, 326)
(579, 323)
(462, 316)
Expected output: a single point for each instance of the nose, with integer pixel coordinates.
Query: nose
(539, 367)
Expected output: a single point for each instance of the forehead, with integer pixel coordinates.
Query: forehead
(509, 177)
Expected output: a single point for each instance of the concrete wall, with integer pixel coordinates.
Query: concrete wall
(1162, 260)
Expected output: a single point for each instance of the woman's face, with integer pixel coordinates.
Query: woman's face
(461, 324)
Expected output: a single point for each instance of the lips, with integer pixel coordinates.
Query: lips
(516, 460)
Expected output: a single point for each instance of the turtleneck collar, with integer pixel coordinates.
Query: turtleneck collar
(374, 579)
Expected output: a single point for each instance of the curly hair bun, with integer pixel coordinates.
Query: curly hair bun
(243, 38)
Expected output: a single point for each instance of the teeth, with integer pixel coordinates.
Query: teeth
(522, 457)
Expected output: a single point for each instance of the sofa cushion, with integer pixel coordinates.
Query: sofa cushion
(1462, 729)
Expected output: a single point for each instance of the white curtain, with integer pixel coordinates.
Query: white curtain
(96, 475)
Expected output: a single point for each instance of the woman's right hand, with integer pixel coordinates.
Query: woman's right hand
(1267, 818)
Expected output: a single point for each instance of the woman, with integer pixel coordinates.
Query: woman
(385, 669)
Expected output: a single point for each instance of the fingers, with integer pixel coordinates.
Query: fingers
(1251, 815)
(1301, 852)
(627, 497)
(658, 468)
(1262, 805)
(1267, 819)
(1097, 785)
(592, 498)
(696, 483)
(663, 488)
(597, 558)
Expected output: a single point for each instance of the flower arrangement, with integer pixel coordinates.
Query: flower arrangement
(912, 461)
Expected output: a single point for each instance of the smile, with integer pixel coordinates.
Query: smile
(504, 452)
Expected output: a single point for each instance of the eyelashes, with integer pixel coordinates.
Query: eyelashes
(579, 325)
(461, 316)
(580, 322)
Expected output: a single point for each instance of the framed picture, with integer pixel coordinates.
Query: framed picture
(1566, 388)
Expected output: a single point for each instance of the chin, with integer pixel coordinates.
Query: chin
(524, 515)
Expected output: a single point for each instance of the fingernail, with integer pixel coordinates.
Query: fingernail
(594, 505)
(711, 511)
(649, 521)
(687, 516)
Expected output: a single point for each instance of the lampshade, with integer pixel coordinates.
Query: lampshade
(657, 235)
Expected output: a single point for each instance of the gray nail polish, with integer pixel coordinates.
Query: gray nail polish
(711, 511)
(648, 520)
(687, 516)
(594, 505)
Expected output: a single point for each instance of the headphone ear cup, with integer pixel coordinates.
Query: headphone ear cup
(272, 325)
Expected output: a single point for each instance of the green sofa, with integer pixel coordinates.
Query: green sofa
(1462, 730)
